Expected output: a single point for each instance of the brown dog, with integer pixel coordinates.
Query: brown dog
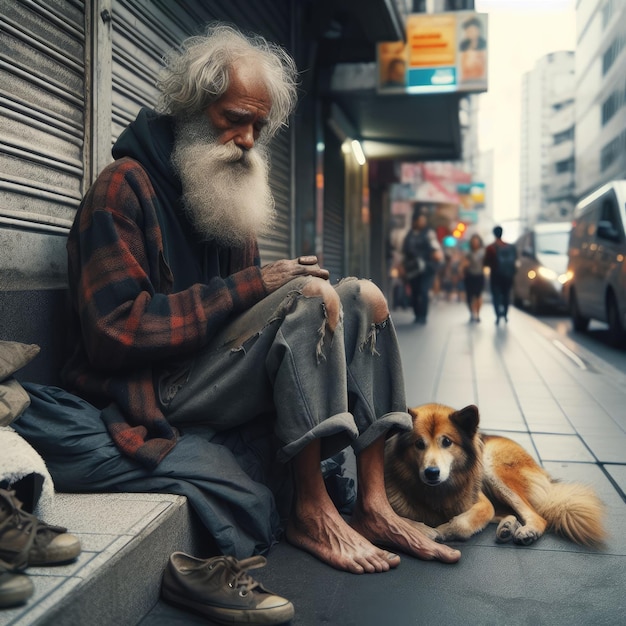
(456, 480)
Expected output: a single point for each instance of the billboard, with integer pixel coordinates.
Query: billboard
(472, 195)
(443, 52)
(435, 182)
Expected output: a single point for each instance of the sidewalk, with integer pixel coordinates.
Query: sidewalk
(569, 411)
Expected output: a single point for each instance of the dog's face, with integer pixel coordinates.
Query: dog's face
(443, 441)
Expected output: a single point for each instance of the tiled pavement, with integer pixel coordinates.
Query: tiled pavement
(567, 407)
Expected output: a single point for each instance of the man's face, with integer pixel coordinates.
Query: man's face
(420, 222)
(242, 112)
(472, 32)
(224, 175)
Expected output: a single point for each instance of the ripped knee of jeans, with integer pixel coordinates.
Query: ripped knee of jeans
(378, 312)
(375, 301)
(331, 304)
(331, 307)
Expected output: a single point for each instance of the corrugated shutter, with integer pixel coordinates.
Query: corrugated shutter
(41, 110)
(277, 244)
(143, 30)
(141, 34)
(334, 207)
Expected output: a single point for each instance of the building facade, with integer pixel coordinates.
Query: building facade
(547, 159)
(600, 93)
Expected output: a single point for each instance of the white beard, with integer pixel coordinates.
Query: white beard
(226, 192)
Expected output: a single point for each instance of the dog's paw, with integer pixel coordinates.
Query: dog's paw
(507, 529)
(451, 531)
(525, 535)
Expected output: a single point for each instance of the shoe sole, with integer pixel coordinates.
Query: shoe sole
(267, 617)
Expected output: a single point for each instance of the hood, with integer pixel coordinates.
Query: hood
(149, 139)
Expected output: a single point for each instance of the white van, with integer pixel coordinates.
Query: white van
(597, 249)
(542, 266)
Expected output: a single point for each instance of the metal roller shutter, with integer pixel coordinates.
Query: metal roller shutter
(334, 207)
(41, 110)
(143, 30)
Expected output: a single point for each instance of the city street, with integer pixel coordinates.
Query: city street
(596, 340)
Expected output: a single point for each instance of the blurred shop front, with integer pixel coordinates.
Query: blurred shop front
(400, 109)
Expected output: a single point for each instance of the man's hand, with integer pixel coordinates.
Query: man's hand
(438, 256)
(277, 274)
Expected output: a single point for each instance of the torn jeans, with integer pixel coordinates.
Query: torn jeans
(280, 358)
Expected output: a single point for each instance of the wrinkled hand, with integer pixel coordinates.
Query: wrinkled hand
(277, 274)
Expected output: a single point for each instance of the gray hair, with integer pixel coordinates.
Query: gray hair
(197, 73)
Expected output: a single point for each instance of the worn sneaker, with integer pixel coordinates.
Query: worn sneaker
(26, 540)
(221, 589)
(14, 589)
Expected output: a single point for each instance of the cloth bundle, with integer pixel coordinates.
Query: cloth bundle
(21, 467)
(13, 399)
(23, 470)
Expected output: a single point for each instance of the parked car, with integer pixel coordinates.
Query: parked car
(542, 266)
(597, 250)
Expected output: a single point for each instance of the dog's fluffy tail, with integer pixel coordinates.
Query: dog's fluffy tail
(572, 510)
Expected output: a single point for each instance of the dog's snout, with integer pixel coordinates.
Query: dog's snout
(431, 473)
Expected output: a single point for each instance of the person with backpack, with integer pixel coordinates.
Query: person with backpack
(422, 256)
(501, 259)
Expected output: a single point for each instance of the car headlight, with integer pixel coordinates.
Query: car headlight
(547, 273)
(564, 278)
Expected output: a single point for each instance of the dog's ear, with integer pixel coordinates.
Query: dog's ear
(466, 419)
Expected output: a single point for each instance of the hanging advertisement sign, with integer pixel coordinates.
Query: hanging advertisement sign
(444, 52)
(472, 195)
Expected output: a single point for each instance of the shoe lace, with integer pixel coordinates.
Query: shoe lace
(16, 519)
(37, 533)
(241, 580)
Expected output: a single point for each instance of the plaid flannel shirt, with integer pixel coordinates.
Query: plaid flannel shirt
(126, 320)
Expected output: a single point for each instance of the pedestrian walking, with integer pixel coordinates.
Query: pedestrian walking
(452, 275)
(474, 276)
(501, 259)
(422, 256)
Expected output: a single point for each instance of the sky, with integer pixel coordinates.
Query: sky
(520, 32)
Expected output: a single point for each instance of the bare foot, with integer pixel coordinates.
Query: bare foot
(325, 534)
(389, 529)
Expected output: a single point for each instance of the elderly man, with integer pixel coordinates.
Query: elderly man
(179, 329)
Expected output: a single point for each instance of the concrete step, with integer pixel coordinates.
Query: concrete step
(126, 539)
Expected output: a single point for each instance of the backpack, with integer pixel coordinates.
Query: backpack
(506, 257)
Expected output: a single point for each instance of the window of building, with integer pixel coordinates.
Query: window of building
(607, 12)
(611, 152)
(612, 105)
(566, 135)
(612, 52)
(564, 166)
(562, 105)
